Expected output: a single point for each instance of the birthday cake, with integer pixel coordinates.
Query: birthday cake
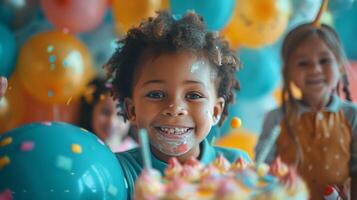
(221, 180)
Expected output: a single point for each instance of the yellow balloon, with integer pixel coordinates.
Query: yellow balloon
(241, 139)
(12, 106)
(130, 13)
(256, 23)
(54, 66)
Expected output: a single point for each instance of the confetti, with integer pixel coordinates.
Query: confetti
(64, 162)
(69, 101)
(4, 161)
(76, 148)
(50, 93)
(50, 48)
(27, 146)
(6, 141)
(46, 123)
(52, 58)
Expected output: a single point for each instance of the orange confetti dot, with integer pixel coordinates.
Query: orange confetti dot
(4, 161)
(236, 122)
(6, 141)
(76, 148)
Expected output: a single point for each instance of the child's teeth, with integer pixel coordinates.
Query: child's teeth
(175, 131)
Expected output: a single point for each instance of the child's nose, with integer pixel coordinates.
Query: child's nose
(174, 110)
(316, 68)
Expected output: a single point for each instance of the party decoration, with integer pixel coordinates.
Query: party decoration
(7, 51)
(346, 28)
(12, 106)
(33, 27)
(54, 67)
(101, 43)
(15, 14)
(215, 13)
(339, 5)
(75, 15)
(304, 11)
(128, 14)
(241, 139)
(257, 23)
(260, 74)
(40, 163)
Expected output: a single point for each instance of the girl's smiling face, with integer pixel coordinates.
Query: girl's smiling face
(175, 99)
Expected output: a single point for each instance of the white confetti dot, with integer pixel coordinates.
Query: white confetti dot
(324, 149)
(327, 167)
(337, 156)
(341, 140)
(308, 149)
(66, 190)
(338, 173)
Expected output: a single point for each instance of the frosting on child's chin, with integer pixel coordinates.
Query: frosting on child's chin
(174, 146)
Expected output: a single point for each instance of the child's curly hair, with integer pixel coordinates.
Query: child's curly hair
(166, 34)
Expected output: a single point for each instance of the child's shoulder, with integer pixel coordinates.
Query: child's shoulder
(349, 109)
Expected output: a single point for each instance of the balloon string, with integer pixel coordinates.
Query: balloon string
(317, 22)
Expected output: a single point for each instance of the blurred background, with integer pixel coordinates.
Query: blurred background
(51, 49)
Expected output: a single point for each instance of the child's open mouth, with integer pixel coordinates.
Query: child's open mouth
(173, 132)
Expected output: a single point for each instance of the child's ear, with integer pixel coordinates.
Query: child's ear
(130, 110)
(218, 109)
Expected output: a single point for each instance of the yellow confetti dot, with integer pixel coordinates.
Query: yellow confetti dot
(236, 122)
(4, 161)
(6, 141)
(76, 148)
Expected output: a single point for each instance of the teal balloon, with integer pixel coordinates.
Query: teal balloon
(260, 74)
(339, 5)
(16, 13)
(7, 51)
(43, 164)
(346, 27)
(216, 13)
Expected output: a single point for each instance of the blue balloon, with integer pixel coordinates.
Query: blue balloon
(339, 5)
(216, 13)
(260, 74)
(7, 51)
(346, 28)
(57, 161)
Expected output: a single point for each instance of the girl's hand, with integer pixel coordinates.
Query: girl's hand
(3, 86)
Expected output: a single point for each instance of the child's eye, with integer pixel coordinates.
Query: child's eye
(194, 95)
(303, 63)
(155, 95)
(324, 61)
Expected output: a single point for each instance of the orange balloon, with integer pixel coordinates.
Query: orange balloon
(37, 111)
(241, 139)
(256, 23)
(12, 106)
(54, 66)
(130, 13)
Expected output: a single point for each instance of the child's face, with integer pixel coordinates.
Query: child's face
(105, 120)
(314, 69)
(174, 99)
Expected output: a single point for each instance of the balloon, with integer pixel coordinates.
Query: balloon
(339, 5)
(346, 27)
(35, 26)
(304, 11)
(12, 106)
(17, 13)
(216, 13)
(256, 23)
(260, 74)
(54, 66)
(277, 94)
(7, 51)
(101, 43)
(55, 160)
(74, 15)
(241, 139)
(36, 111)
(128, 14)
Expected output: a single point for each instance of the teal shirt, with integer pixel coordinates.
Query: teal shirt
(131, 164)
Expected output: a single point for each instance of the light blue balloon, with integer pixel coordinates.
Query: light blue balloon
(346, 28)
(7, 51)
(260, 74)
(216, 13)
(42, 164)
